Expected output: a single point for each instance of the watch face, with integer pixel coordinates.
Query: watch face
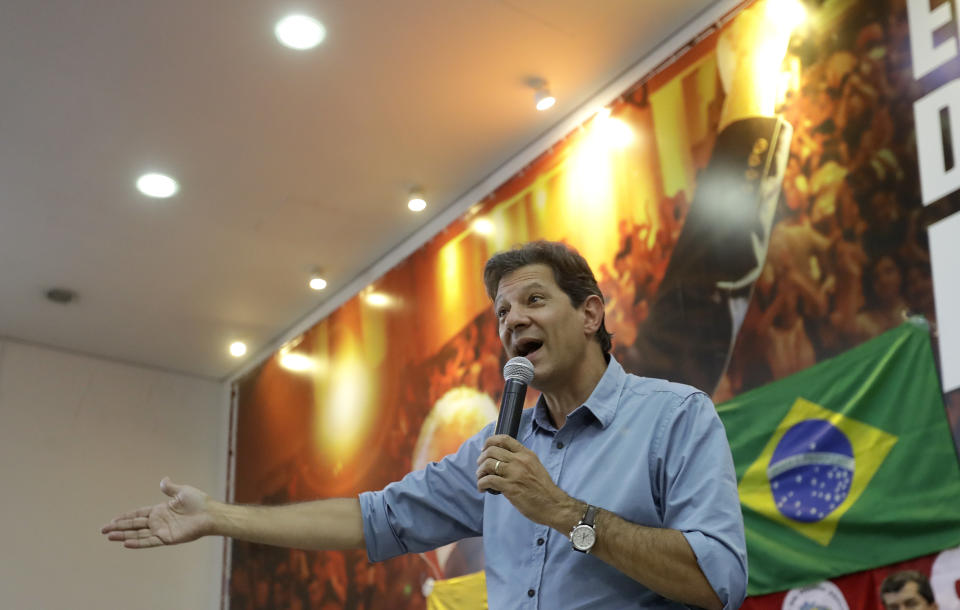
(583, 537)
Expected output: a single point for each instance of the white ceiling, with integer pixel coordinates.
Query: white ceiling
(285, 159)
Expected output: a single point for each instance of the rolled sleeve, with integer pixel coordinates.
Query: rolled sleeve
(724, 570)
(427, 508)
(382, 542)
(699, 495)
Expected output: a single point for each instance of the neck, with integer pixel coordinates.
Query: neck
(562, 401)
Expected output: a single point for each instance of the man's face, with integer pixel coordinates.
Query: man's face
(537, 320)
(907, 598)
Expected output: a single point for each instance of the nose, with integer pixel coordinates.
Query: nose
(515, 318)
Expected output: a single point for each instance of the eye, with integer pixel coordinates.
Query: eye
(501, 313)
(535, 298)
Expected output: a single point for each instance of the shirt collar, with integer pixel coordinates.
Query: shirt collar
(602, 402)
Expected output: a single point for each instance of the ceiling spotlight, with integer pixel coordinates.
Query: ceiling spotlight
(543, 99)
(157, 185)
(377, 299)
(300, 32)
(416, 202)
(483, 226)
(238, 348)
(293, 361)
(317, 282)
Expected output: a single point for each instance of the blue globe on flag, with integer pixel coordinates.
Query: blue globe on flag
(811, 470)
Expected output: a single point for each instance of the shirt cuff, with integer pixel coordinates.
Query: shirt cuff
(725, 571)
(381, 541)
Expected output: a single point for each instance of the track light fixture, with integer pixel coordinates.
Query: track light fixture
(544, 100)
(542, 97)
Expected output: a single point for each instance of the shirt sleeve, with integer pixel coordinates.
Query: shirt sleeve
(697, 485)
(427, 508)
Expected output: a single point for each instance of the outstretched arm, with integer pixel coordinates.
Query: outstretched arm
(333, 524)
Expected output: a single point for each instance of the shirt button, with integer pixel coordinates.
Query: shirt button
(539, 541)
(531, 593)
(559, 444)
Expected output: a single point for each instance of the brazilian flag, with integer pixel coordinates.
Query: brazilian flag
(846, 466)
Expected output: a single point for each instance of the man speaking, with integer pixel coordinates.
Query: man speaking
(618, 492)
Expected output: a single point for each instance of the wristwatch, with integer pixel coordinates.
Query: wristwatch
(583, 535)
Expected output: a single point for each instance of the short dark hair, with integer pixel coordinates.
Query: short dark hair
(896, 581)
(570, 271)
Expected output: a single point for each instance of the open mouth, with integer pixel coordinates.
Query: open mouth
(527, 346)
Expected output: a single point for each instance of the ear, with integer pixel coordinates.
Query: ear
(592, 314)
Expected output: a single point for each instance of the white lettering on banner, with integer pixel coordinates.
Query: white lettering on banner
(936, 179)
(945, 265)
(923, 23)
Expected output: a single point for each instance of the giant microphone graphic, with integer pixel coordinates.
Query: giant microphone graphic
(517, 373)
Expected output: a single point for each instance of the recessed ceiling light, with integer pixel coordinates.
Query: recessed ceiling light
(160, 186)
(318, 283)
(238, 348)
(300, 32)
(416, 203)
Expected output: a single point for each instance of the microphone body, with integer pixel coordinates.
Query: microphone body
(511, 407)
(518, 372)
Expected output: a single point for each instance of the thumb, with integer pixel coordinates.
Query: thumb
(173, 490)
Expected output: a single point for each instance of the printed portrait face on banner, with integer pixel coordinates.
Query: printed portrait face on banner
(750, 208)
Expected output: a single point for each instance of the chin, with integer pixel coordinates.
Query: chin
(541, 381)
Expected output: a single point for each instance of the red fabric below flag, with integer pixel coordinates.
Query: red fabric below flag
(861, 590)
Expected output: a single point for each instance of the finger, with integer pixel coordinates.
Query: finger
(491, 482)
(497, 453)
(131, 524)
(169, 487)
(118, 536)
(135, 534)
(489, 467)
(114, 524)
(124, 535)
(505, 441)
(143, 543)
(173, 490)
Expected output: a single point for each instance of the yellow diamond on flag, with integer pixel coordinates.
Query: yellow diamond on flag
(813, 469)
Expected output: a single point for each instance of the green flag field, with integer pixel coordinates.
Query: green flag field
(847, 465)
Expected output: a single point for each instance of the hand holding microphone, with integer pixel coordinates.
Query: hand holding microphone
(517, 373)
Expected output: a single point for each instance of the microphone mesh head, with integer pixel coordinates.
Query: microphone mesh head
(518, 368)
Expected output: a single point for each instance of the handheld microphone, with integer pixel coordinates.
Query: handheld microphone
(517, 373)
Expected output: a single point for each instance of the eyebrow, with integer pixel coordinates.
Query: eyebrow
(533, 285)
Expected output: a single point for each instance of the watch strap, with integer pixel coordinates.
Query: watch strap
(589, 516)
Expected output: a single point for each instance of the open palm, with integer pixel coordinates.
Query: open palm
(181, 519)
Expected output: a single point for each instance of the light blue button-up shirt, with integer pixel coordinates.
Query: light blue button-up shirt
(651, 451)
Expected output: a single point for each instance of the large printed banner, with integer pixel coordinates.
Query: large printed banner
(752, 207)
